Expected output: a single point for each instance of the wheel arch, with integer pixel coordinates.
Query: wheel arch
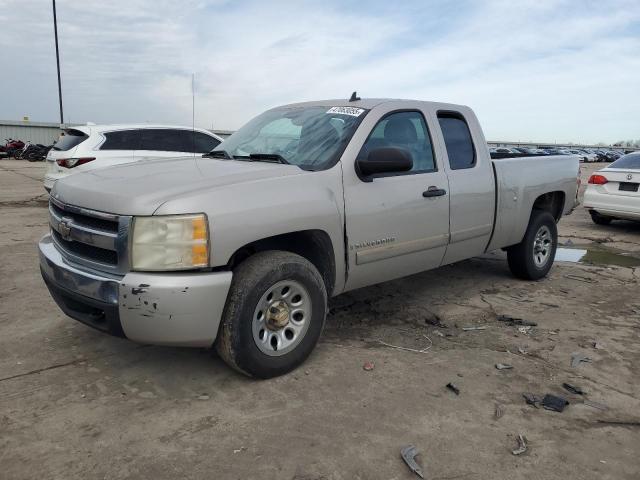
(314, 245)
(552, 202)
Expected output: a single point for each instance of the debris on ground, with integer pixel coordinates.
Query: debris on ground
(471, 329)
(516, 321)
(623, 423)
(439, 333)
(368, 366)
(524, 330)
(522, 351)
(579, 278)
(499, 411)
(597, 345)
(573, 389)
(599, 406)
(407, 349)
(503, 366)
(532, 399)
(578, 358)
(453, 388)
(434, 320)
(409, 454)
(554, 403)
(522, 445)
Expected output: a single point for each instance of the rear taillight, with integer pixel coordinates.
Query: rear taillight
(596, 179)
(73, 162)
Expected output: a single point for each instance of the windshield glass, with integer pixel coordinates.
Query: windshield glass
(312, 138)
(631, 160)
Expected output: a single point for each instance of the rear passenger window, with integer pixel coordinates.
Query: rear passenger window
(458, 141)
(122, 140)
(166, 140)
(203, 143)
(406, 130)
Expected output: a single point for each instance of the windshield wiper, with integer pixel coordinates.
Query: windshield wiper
(218, 154)
(269, 157)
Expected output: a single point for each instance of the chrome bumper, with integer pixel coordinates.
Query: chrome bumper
(181, 309)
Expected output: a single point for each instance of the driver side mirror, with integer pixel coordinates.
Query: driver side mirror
(384, 160)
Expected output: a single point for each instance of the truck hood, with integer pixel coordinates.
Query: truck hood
(140, 188)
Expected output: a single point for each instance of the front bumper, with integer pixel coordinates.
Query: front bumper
(181, 309)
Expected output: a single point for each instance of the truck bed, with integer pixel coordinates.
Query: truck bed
(519, 182)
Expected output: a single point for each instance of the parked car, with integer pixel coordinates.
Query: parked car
(84, 148)
(612, 193)
(242, 248)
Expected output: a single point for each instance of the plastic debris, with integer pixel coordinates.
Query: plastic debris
(522, 351)
(516, 321)
(553, 403)
(368, 366)
(525, 330)
(597, 345)
(532, 399)
(503, 366)
(409, 454)
(599, 406)
(573, 389)
(472, 329)
(522, 445)
(453, 388)
(624, 423)
(499, 411)
(578, 358)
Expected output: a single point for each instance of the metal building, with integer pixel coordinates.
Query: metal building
(36, 132)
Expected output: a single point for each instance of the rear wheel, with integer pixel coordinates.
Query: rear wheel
(532, 258)
(599, 219)
(274, 314)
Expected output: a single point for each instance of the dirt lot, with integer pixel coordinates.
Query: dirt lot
(75, 403)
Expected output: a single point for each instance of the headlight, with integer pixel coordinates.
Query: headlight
(170, 242)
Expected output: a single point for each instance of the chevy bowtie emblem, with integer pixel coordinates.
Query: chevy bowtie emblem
(629, 177)
(64, 228)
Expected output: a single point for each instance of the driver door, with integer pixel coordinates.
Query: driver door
(395, 224)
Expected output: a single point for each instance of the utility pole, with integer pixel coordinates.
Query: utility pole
(55, 32)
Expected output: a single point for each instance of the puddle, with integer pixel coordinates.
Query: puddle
(596, 256)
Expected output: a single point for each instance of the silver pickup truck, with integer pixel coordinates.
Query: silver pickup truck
(240, 249)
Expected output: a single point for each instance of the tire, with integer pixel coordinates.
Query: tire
(247, 343)
(599, 219)
(530, 260)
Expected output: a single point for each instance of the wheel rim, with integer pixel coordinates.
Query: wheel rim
(281, 318)
(542, 246)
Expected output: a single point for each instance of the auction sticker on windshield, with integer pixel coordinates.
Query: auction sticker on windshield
(354, 112)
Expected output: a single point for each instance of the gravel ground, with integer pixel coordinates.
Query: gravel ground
(75, 403)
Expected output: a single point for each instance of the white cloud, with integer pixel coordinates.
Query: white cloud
(541, 70)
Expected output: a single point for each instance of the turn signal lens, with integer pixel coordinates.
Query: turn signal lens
(596, 179)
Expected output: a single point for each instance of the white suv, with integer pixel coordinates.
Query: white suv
(89, 147)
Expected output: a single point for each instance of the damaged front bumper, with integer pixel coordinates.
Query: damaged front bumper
(181, 309)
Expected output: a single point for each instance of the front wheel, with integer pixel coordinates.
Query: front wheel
(274, 314)
(532, 258)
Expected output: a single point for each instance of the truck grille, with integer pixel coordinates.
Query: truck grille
(90, 238)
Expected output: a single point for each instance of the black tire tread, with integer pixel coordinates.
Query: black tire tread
(518, 256)
(245, 277)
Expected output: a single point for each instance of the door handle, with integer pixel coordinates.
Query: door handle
(434, 191)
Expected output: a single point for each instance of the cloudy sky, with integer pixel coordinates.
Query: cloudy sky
(545, 70)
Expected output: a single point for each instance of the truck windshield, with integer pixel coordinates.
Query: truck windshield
(312, 138)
